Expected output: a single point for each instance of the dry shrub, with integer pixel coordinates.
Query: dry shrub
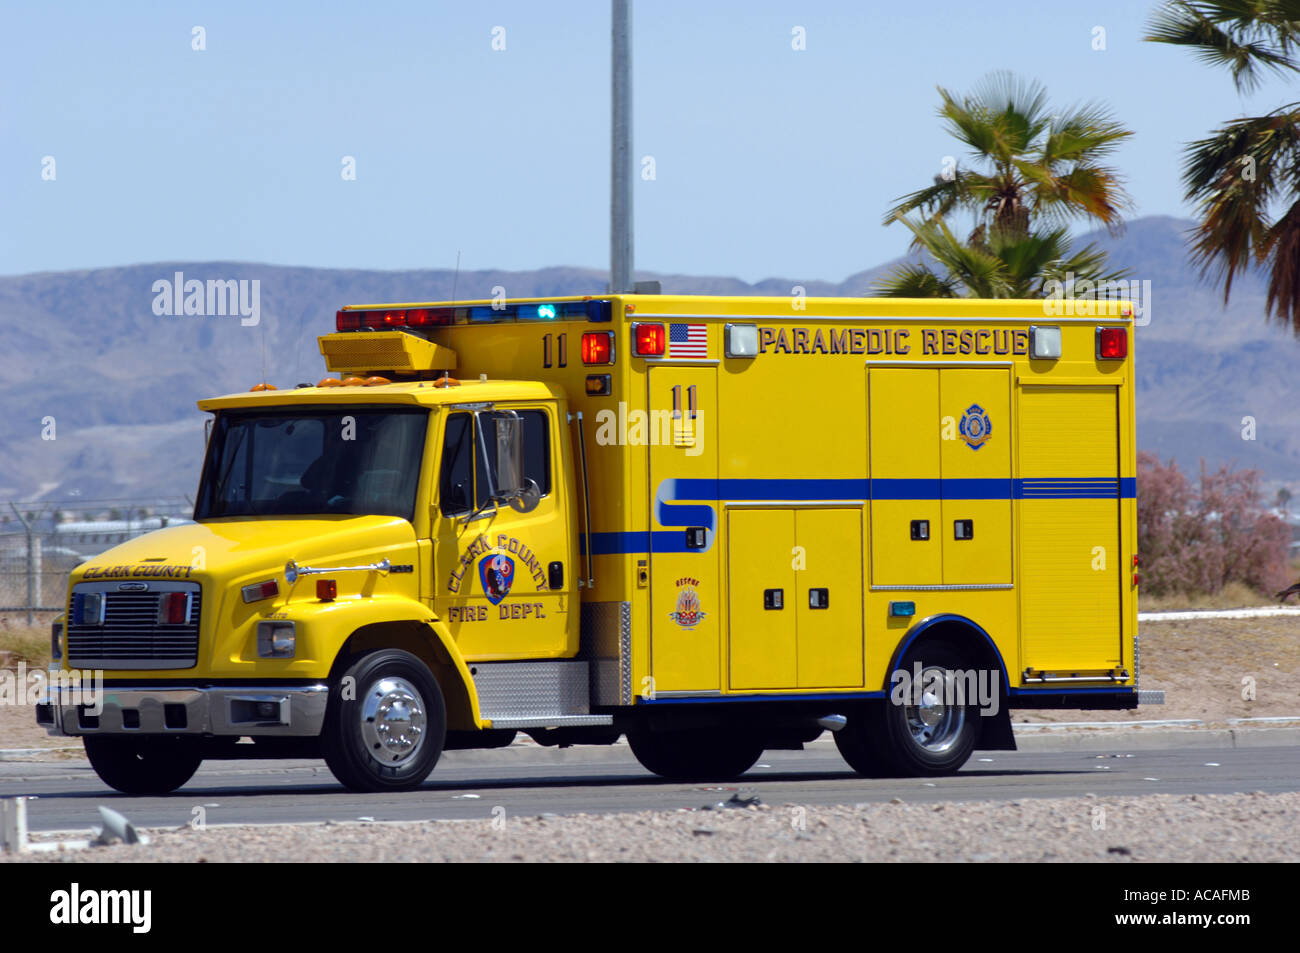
(1199, 538)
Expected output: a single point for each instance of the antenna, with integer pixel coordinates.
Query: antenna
(456, 278)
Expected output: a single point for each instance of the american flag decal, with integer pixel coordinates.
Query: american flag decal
(688, 340)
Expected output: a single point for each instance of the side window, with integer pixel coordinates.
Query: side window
(460, 491)
(537, 448)
(456, 492)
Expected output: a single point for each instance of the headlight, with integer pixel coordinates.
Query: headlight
(276, 639)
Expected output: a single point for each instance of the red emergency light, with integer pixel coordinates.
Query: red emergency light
(598, 347)
(649, 339)
(382, 320)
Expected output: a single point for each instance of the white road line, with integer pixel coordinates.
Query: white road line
(1105, 724)
(1259, 612)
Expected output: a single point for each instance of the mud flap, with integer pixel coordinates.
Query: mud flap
(995, 731)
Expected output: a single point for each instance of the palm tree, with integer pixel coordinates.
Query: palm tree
(1029, 163)
(1000, 264)
(1247, 171)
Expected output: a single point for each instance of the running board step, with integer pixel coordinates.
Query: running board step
(541, 694)
(551, 721)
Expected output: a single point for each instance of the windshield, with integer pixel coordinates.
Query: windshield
(349, 460)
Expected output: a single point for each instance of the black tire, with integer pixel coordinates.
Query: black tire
(147, 764)
(707, 755)
(366, 751)
(888, 739)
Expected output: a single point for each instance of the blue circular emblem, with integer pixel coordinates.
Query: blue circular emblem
(975, 426)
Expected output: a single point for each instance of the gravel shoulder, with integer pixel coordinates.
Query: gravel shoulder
(1236, 828)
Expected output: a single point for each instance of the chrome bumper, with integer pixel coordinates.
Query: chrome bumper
(244, 711)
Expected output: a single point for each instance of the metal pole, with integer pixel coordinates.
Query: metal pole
(31, 567)
(620, 180)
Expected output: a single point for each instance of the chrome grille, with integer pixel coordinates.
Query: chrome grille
(131, 637)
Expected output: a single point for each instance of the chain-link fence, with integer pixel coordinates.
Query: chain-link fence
(42, 542)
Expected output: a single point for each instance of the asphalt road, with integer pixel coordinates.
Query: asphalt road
(469, 785)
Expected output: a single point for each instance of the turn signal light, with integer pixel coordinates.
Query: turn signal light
(261, 590)
(598, 347)
(326, 590)
(174, 608)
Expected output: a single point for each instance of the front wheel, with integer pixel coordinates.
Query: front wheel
(143, 765)
(386, 723)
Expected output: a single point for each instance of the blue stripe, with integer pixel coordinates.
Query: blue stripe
(637, 543)
(713, 699)
(849, 696)
(854, 696)
(906, 489)
(705, 493)
(1108, 488)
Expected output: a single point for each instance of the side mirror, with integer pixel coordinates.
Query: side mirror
(506, 480)
(509, 478)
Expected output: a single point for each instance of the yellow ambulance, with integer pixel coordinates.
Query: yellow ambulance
(713, 525)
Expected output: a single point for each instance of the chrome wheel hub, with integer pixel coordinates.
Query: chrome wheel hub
(393, 721)
(935, 724)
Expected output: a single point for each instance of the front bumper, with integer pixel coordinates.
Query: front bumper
(295, 711)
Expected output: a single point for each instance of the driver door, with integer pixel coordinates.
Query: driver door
(502, 577)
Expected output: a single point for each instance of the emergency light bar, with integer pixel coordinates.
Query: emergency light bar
(385, 319)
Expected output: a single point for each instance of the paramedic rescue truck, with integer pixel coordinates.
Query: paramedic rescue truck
(713, 525)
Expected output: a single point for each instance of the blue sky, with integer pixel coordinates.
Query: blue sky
(768, 162)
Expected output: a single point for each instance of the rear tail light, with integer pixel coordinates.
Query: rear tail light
(598, 347)
(649, 340)
(174, 608)
(1112, 343)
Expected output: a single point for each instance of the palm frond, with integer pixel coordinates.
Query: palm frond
(938, 200)
(1246, 36)
(1281, 248)
(1234, 176)
(916, 281)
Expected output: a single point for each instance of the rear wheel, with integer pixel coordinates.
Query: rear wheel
(709, 755)
(923, 729)
(386, 723)
(143, 765)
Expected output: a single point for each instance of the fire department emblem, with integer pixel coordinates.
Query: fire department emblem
(688, 613)
(975, 426)
(497, 570)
